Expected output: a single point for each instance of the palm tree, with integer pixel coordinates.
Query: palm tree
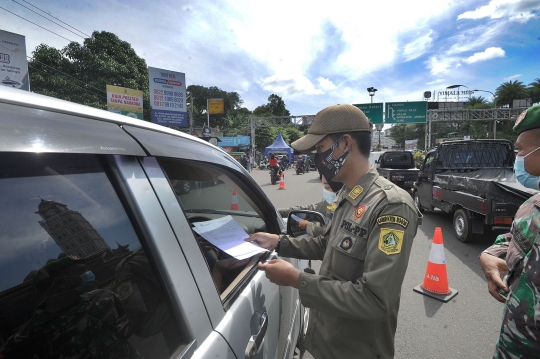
(510, 91)
(477, 102)
(534, 90)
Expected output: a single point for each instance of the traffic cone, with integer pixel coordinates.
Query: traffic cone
(435, 283)
(234, 202)
(282, 182)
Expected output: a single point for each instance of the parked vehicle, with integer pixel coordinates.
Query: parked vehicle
(398, 167)
(263, 164)
(474, 181)
(97, 238)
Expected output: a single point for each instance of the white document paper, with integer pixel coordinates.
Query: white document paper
(228, 236)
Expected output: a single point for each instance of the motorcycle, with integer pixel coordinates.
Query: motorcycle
(263, 164)
(275, 174)
(300, 169)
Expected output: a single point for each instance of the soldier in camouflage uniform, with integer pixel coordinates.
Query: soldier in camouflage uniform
(518, 253)
(70, 322)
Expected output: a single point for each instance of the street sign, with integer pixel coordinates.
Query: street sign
(216, 106)
(406, 112)
(373, 111)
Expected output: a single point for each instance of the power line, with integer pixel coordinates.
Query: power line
(48, 19)
(36, 24)
(57, 19)
(63, 73)
(46, 73)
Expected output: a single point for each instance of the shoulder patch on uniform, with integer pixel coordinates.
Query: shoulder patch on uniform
(391, 218)
(125, 290)
(390, 241)
(346, 243)
(356, 191)
(359, 212)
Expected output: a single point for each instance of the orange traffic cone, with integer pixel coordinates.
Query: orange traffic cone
(435, 283)
(234, 202)
(282, 182)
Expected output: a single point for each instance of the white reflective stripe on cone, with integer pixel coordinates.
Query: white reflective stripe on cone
(436, 255)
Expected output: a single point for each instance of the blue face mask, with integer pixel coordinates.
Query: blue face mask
(523, 176)
(329, 197)
(87, 284)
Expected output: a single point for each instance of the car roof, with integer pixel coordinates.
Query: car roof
(75, 128)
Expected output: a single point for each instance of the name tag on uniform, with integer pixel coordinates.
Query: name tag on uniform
(390, 218)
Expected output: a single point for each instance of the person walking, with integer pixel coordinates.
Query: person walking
(248, 162)
(365, 248)
(518, 254)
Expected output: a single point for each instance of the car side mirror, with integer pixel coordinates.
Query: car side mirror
(296, 225)
(376, 161)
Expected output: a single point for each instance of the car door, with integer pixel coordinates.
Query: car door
(243, 305)
(424, 184)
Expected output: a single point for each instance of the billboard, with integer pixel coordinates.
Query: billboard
(411, 145)
(168, 97)
(13, 64)
(125, 101)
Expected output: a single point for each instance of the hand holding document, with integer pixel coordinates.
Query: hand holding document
(228, 236)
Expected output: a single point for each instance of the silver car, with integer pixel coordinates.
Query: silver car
(99, 257)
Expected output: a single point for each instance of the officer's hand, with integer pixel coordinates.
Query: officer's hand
(493, 268)
(303, 224)
(265, 240)
(281, 272)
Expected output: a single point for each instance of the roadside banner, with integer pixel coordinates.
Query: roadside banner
(125, 101)
(411, 144)
(167, 97)
(13, 64)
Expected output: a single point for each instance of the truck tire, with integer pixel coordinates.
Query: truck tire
(463, 226)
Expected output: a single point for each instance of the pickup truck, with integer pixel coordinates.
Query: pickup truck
(474, 181)
(398, 167)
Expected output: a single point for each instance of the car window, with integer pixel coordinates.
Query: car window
(205, 193)
(428, 162)
(76, 281)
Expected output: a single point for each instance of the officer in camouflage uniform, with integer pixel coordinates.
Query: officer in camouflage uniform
(518, 253)
(365, 246)
(325, 207)
(70, 322)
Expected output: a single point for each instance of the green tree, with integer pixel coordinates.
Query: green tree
(509, 91)
(264, 137)
(274, 107)
(534, 90)
(477, 103)
(80, 72)
(232, 104)
(292, 134)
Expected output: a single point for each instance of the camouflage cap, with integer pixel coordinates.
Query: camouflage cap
(333, 119)
(528, 120)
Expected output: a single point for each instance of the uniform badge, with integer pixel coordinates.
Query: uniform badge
(346, 243)
(355, 192)
(125, 290)
(359, 211)
(390, 218)
(521, 117)
(390, 241)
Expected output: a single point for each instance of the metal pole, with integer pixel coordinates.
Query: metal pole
(191, 120)
(494, 129)
(207, 114)
(372, 102)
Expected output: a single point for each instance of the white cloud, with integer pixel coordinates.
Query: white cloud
(513, 77)
(290, 85)
(488, 54)
(442, 64)
(515, 10)
(326, 84)
(417, 47)
(437, 81)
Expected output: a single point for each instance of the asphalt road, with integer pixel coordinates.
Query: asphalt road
(465, 327)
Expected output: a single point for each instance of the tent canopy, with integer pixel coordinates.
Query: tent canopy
(279, 146)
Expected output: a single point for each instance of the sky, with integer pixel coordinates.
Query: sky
(311, 53)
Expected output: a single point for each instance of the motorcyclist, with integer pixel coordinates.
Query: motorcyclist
(273, 163)
(285, 162)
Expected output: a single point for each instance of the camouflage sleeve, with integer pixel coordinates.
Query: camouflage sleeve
(500, 247)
